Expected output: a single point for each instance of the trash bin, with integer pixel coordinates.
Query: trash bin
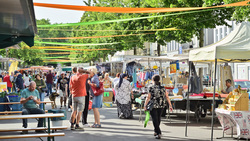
(58, 121)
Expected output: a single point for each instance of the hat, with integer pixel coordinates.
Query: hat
(16, 72)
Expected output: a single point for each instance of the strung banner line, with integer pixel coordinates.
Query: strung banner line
(55, 57)
(63, 38)
(74, 49)
(76, 44)
(122, 20)
(113, 30)
(57, 60)
(133, 10)
(63, 53)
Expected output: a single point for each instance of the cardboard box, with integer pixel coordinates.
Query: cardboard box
(107, 104)
(108, 97)
(166, 81)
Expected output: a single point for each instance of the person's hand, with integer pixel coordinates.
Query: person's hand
(89, 81)
(18, 89)
(171, 109)
(145, 109)
(30, 97)
(40, 87)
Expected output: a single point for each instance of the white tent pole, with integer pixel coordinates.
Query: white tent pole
(213, 104)
(187, 95)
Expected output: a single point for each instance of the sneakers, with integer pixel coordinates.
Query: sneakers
(77, 127)
(69, 110)
(158, 136)
(86, 125)
(72, 127)
(25, 132)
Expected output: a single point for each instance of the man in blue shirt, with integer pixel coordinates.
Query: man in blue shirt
(30, 99)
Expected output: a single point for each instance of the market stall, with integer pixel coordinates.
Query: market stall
(233, 48)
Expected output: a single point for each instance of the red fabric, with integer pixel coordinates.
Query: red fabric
(7, 79)
(90, 104)
(78, 85)
(211, 94)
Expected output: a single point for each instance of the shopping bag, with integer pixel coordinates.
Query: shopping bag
(98, 90)
(90, 104)
(146, 118)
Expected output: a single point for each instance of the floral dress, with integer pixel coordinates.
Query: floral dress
(123, 99)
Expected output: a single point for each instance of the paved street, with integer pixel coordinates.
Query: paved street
(115, 129)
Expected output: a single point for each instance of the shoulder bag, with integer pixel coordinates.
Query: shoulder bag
(98, 90)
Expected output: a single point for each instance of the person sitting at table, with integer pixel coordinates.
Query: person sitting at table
(30, 99)
(229, 88)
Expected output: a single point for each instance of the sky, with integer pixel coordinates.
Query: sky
(59, 15)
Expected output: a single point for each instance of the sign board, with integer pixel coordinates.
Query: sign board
(3, 86)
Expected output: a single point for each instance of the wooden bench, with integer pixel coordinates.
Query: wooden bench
(15, 112)
(10, 103)
(49, 135)
(30, 129)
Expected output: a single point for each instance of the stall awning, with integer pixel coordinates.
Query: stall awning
(233, 48)
(17, 22)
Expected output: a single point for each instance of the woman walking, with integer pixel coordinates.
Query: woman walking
(40, 85)
(123, 98)
(155, 102)
(26, 79)
(97, 100)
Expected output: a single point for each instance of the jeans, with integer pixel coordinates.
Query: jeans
(42, 95)
(32, 111)
(156, 118)
(9, 89)
(49, 87)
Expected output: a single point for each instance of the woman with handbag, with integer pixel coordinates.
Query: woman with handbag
(156, 102)
(97, 98)
(40, 86)
(123, 98)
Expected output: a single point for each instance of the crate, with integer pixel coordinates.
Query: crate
(58, 111)
(15, 98)
(1, 106)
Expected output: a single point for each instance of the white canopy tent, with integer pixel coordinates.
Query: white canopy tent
(233, 48)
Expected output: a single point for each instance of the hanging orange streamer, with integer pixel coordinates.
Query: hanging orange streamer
(64, 53)
(63, 38)
(133, 10)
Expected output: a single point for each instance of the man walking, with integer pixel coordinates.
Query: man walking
(19, 81)
(74, 70)
(78, 91)
(49, 82)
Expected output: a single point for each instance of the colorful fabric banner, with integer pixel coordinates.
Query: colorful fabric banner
(132, 10)
(63, 53)
(64, 38)
(122, 20)
(164, 29)
(13, 66)
(76, 44)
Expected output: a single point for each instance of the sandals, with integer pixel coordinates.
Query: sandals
(96, 126)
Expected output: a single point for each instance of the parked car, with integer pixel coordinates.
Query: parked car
(245, 84)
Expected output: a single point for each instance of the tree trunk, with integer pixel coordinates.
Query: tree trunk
(201, 34)
(158, 49)
(135, 51)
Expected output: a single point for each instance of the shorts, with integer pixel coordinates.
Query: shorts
(62, 93)
(97, 101)
(78, 103)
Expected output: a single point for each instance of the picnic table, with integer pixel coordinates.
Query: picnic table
(49, 116)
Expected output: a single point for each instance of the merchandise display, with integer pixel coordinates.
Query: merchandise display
(236, 101)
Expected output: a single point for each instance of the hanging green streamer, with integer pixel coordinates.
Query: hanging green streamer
(129, 19)
(76, 44)
(56, 57)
